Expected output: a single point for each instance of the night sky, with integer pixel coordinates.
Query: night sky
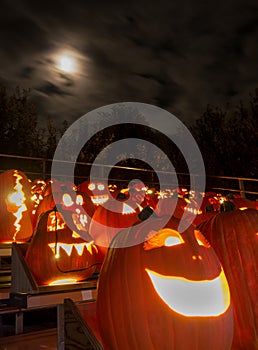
(179, 56)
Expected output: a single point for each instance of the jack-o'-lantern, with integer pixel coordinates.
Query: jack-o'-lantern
(98, 191)
(234, 236)
(15, 207)
(108, 220)
(58, 255)
(167, 291)
(77, 206)
(37, 189)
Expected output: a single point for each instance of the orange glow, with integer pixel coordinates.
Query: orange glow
(201, 240)
(17, 201)
(55, 222)
(63, 281)
(193, 210)
(165, 237)
(192, 298)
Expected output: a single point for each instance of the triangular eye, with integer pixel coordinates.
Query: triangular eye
(67, 200)
(163, 238)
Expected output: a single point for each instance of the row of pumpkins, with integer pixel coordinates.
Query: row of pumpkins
(158, 287)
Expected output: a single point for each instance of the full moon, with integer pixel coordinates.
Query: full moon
(66, 63)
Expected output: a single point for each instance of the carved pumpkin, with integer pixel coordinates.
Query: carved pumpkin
(72, 201)
(15, 207)
(234, 237)
(58, 255)
(108, 220)
(169, 292)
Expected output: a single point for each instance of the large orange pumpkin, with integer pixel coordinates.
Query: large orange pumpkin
(15, 207)
(168, 291)
(234, 236)
(58, 255)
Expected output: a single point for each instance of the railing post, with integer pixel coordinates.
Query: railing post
(241, 187)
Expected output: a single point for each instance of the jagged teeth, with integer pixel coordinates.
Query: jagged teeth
(99, 199)
(56, 248)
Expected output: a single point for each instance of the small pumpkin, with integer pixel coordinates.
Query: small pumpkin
(161, 289)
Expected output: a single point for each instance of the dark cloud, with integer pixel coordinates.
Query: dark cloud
(178, 55)
(26, 72)
(50, 89)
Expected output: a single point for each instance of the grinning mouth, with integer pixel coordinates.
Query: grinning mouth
(190, 297)
(99, 199)
(57, 248)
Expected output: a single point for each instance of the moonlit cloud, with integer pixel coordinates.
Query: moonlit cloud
(180, 56)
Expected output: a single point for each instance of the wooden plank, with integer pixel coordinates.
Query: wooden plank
(22, 279)
(80, 326)
(5, 250)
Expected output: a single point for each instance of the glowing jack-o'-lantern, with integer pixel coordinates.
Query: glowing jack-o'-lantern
(234, 236)
(77, 208)
(169, 292)
(98, 191)
(58, 255)
(15, 207)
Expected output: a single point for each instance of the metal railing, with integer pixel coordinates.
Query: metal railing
(35, 167)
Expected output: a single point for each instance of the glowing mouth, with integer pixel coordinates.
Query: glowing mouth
(80, 221)
(18, 198)
(192, 298)
(63, 281)
(67, 248)
(99, 199)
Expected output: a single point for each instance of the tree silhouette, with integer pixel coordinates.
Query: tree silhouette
(228, 139)
(19, 131)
